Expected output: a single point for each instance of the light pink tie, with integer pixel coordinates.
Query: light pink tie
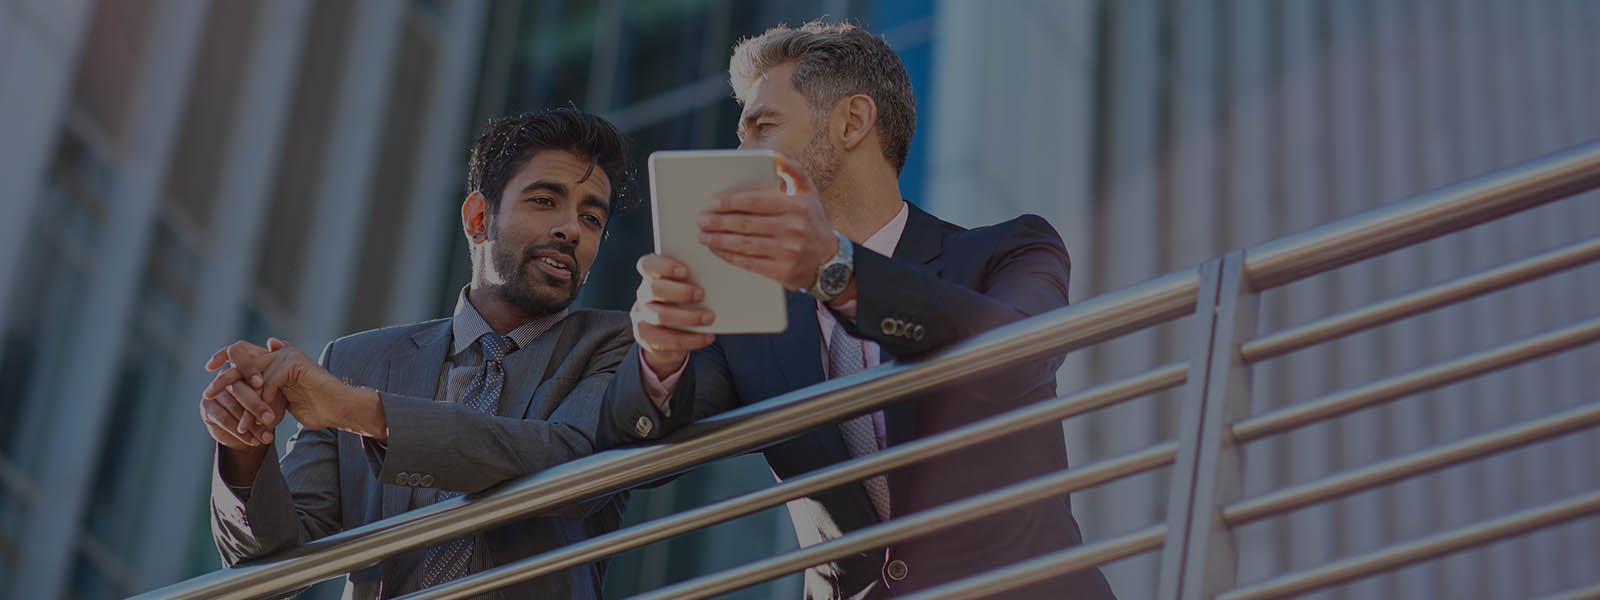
(860, 437)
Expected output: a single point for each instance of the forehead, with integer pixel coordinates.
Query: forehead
(773, 91)
(563, 167)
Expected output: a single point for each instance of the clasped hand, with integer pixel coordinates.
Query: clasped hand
(255, 386)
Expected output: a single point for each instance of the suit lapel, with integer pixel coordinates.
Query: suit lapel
(415, 373)
(528, 367)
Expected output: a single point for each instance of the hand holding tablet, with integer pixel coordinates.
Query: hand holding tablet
(682, 187)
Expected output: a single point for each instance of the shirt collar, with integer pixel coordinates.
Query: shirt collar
(466, 326)
(887, 237)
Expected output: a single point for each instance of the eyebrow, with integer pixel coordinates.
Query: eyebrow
(546, 185)
(749, 120)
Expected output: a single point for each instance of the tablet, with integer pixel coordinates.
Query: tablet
(682, 184)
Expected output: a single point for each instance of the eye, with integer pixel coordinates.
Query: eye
(592, 219)
(543, 200)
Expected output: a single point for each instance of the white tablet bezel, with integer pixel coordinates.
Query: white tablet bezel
(682, 183)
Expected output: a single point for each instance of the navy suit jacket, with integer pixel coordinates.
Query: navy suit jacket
(943, 284)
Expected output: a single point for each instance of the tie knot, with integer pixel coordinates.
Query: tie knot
(496, 346)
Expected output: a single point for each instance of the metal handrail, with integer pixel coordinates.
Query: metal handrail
(1272, 264)
(743, 430)
(1425, 461)
(1094, 398)
(1433, 546)
(1466, 288)
(1421, 380)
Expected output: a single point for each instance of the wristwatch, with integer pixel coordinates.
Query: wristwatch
(833, 276)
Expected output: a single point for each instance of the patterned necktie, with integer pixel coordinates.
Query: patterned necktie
(449, 561)
(860, 436)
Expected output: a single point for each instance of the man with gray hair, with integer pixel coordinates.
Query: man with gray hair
(882, 280)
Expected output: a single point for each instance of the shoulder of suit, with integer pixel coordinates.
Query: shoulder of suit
(1028, 228)
(599, 319)
(389, 335)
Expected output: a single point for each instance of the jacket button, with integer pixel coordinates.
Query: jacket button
(917, 333)
(888, 325)
(897, 570)
(413, 479)
(644, 426)
(401, 478)
(427, 481)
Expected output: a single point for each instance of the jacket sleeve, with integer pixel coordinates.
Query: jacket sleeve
(705, 388)
(292, 501)
(466, 451)
(909, 311)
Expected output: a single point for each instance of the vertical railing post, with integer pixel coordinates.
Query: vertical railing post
(1199, 555)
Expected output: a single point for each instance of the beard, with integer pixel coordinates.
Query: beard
(821, 162)
(529, 288)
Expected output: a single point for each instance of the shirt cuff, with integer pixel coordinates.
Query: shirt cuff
(660, 389)
(227, 496)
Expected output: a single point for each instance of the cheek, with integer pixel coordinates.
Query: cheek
(588, 249)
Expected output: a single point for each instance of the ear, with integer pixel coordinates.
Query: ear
(860, 117)
(475, 218)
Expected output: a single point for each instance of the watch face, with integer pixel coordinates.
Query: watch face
(834, 279)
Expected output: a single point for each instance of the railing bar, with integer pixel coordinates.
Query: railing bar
(1095, 398)
(1394, 469)
(1421, 218)
(1050, 565)
(921, 523)
(749, 428)
(1339, 325)
(1421, 380)
(1591, 592)
(1395, 557)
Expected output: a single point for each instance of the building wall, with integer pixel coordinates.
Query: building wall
(1156, 135)
(152, 215)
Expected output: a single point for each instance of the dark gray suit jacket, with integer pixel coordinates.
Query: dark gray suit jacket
(330, 481)
(942, 285)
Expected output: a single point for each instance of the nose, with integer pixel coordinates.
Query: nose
(567, 230)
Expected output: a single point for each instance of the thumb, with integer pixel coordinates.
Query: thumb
(275, 344)
(794, 175)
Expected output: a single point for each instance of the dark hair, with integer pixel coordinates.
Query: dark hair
(509, 142)
(834, 61)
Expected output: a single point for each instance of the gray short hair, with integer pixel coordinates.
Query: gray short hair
(833, 61)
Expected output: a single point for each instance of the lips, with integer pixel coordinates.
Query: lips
(555, 264)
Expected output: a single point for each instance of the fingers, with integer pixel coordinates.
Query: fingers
(668, 315)
(247, 357)
(753, 202)
(218, 358)
(253, 404)
(221, 422)
(747, 224)
(221, 381)
(655, 338)
(669, 291)
(275, 344)
(657, 266)
(757, 246)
